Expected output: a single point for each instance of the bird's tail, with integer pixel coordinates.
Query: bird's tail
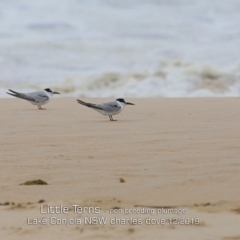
(15, 94)
(19, 95)
(88, 104)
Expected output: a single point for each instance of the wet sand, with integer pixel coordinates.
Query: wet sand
(169, 154)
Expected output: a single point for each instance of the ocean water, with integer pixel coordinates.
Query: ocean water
(127, 48)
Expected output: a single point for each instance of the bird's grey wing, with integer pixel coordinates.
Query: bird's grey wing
(91, 105)
(110, 107)
(39, 96)
(20, 95)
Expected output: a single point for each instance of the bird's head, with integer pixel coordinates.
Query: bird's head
(122, 100)
(49, 90)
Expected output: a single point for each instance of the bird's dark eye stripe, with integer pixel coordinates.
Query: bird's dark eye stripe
(121, 100)
(48, 90)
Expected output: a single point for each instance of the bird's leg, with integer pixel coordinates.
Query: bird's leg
(110, 117)
(40, 108)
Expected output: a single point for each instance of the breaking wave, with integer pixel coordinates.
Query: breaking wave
(170, 79)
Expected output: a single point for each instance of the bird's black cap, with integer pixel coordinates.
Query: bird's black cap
(121, 100)
(48, 90)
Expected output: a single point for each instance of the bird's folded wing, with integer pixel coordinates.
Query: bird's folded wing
(91, 105)
(111, 107)
(20, 95)
(40, 97)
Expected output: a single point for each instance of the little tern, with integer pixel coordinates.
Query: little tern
(108, 108)
(38, 98)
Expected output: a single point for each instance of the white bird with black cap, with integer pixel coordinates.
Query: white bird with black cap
(38, 98)
(108, 108)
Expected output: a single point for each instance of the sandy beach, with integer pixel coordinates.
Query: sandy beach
(160, 154)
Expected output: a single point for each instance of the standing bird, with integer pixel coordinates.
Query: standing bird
(108, 108)
(38, 98)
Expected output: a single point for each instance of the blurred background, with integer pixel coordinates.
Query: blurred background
(127, 48)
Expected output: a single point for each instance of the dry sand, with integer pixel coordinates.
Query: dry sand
(176, 153)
